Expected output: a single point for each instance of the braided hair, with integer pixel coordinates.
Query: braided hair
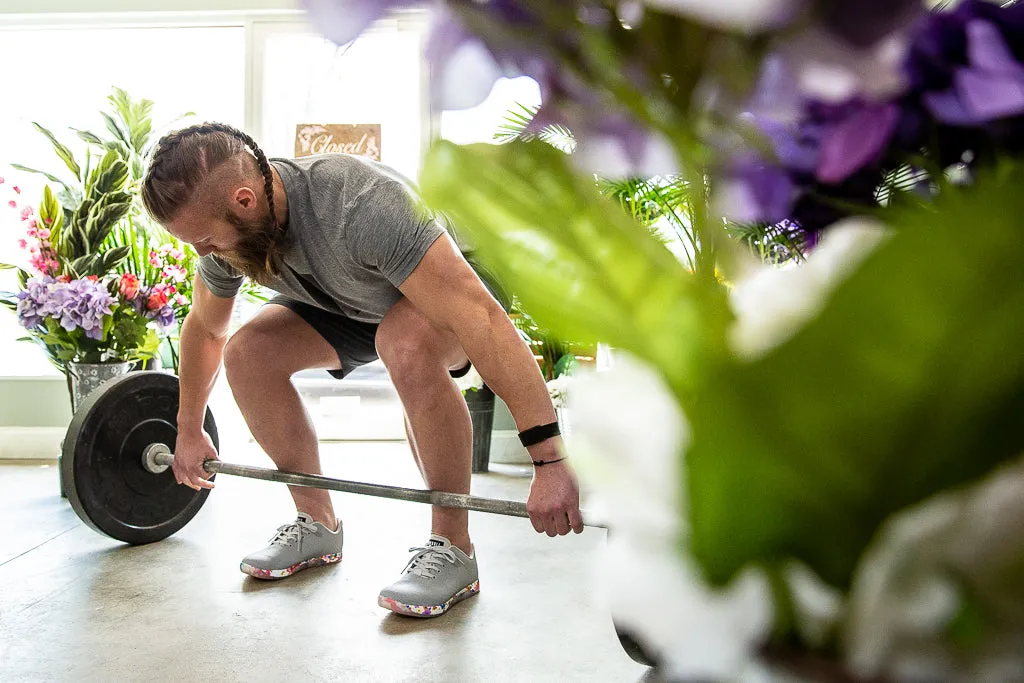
(184, 158)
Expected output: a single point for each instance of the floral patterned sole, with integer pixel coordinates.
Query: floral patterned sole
(258, 573)
(428, 610)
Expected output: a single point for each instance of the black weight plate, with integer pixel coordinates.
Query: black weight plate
(102, 460)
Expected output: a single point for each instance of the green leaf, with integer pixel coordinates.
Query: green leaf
(115, 129)
(909, 382)
(52, 214)
(88, 137)
(584, 269)
(49, 176)
(63, 152)
(111, 259)
(84, 265)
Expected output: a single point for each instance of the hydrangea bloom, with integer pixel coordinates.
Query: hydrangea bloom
(78, 304)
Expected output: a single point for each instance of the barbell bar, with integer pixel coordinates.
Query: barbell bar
(159, 456)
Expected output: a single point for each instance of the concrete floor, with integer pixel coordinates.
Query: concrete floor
(77, 606)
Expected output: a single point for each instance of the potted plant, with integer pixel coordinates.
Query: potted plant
(91, 234)
(480, 400)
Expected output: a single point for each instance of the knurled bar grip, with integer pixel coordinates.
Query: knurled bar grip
(460, 501)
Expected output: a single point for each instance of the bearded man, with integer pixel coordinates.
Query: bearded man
(362, 271)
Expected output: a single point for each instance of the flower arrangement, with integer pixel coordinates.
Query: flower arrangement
(812, 472)
(89, 320)
(100, 283)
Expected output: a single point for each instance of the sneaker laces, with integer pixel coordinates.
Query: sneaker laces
(292, 532)
(428, 561)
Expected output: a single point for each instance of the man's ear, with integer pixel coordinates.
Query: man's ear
(245, 197)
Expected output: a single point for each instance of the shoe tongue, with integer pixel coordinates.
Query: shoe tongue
(303, 517)
(438, 542)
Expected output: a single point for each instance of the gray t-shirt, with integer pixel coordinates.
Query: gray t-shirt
(357, 230)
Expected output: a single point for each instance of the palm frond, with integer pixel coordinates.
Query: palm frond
(518, 119)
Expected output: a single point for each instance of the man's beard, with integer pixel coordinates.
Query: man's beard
(261, 244)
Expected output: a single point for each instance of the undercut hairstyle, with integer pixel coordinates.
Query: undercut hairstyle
(184, 160)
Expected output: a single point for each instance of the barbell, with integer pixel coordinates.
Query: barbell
(117, 457)
(118, 451)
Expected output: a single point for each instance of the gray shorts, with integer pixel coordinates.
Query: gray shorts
(355, 341)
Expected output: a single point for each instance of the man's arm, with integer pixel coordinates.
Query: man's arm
(449, 293)
(203, 335)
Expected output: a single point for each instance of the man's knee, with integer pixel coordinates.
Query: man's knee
(249, 352)
(409, 352)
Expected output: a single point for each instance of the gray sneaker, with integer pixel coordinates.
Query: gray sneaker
(296, 546)
(438, 576)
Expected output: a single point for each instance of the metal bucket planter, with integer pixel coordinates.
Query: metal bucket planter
(481, 411)
(83, 379)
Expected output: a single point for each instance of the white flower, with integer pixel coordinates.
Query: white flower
(558, 390)
(750, 16)
(927, 561)
(471, 380)
(773, 303)
(629, 442)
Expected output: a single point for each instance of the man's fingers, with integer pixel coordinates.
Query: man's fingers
(561, 523)
(204, 484)
(576, 520)
(535, 520)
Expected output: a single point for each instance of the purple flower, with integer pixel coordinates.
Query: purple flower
(857, 141)
(990, 86)
(165, 317)
(79, 304)
(343, 20)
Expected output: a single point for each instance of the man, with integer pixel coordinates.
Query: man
(362, 272)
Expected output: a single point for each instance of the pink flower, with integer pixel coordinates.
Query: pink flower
(174, 272)
(156, 301)
(26, 212)
(13, 204)
(129, 285)
(17, 190)
(1, 180)
(43, 234)
(177, 254)
(23, 244)
(48, 220)
(181, 299)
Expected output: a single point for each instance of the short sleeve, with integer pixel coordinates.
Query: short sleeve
(390, 231)
(221, 278)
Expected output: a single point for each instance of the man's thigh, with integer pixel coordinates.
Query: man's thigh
(279, 338)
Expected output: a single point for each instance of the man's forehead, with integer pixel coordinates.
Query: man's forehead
(187, 224)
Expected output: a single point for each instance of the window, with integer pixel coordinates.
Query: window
(378, 79)
(61, 78)
(481, 122)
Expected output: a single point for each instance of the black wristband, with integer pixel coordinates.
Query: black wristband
(535, 435)
(541, 463)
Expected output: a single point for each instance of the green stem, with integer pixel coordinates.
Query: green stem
(785, 629)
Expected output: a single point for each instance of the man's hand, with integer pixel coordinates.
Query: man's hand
(554, 502)
(191, 450)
